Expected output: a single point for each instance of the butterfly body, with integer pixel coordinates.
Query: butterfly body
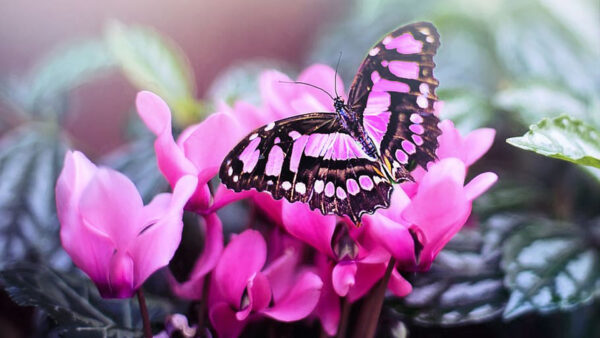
(344, 162)
(350, 121)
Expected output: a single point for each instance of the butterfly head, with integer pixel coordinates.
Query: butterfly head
(338, 103)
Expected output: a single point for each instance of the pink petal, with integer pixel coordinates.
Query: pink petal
(156, 115)
(121, 277)
(480, 184)
(211, 141)
(244, 256)
(309, 226)
(328, 309)
(392, 235)
(300, 301)
(366, 276)
(277, 95)
(281, 271)
(343, 277)
(259, 296)
(322, 76)
(224, 320)
(270, 206)
(154, 111)
(450, 141)
(398, 285)
(225, 196)
(111, 205)
(213, 247)
(156, 244)
(477, 143)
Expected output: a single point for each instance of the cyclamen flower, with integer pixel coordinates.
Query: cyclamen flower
(424, 215)
(109, 233)
(199, 150)
(245, 286)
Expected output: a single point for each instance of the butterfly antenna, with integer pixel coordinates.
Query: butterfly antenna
(335, 76)
(311, 85)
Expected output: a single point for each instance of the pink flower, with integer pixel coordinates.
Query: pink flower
(349, 262)
(199, 150)
(424, 215)
(109, 233)
(244, 287)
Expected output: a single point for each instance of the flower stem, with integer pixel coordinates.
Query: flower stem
(144, 311)
(371, 308)
(343, 327)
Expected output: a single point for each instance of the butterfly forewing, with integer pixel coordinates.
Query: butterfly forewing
(393, 95)
(312, 159)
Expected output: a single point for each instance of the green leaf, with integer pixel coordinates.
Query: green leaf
(43, 92)
(74, 304)
(64, 69)
(549, 266)
(563, 138)
(153, 62)
(463, 286)
(30, 160)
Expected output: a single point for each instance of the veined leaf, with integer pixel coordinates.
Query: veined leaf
(30, 160)
(549, 266)
(64, 69)
(74, 304)
(563, 138)
(463, 286)
(153, 62)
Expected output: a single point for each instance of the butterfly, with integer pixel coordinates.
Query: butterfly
(345, 162)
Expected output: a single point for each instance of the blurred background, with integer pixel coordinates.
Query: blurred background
(69, 71)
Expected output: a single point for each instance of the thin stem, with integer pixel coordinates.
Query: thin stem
(144, 311)
(371, 307)
(343, 326)
(204, 302)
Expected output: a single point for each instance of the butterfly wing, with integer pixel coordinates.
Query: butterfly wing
(393, 94)
(312, 159)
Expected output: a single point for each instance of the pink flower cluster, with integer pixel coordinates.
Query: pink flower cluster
(119, 242)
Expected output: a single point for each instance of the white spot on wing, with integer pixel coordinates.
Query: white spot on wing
(300, 188)
(236, 178)
(253, 136)
(270, 126)
(387, 40)
(286, 185)
(374, 51)
(319, 186)
(422, 101)
(230, 171)
(430, 39)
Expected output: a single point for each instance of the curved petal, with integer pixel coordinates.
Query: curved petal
(121, 277)
(156, 115)
(343, 277)
(276, 95)
(328, 309)
(324, 77)
(111, 205)
(477, 143)
(300, 301)
(244, 256)
(224, 321)
(393, 235)
(450, 141)
(309, 226)
(480, 184)
(225, 196)
(211, 140)
(259, 296)
(156, 243)
(366, 276)
(398, 285)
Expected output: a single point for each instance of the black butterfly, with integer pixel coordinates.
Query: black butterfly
(344, 162)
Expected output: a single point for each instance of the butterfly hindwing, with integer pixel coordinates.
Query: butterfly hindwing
(312, 159)
(393, 95)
